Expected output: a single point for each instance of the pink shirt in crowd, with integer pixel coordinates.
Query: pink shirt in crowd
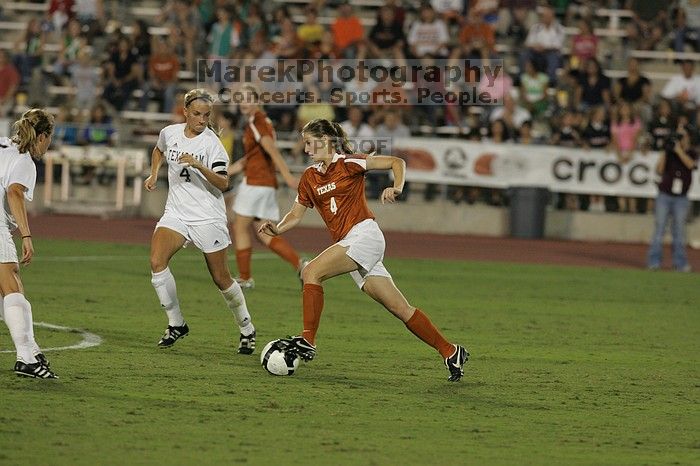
(626, 134)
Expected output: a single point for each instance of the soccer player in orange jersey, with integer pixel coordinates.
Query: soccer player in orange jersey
(335, 186)
(256, 195)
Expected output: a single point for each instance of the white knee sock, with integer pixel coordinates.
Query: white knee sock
(164, 283)
(236, 302)
(29, 322)
(16, 310)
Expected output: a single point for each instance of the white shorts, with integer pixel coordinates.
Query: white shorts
(8, 250)
(256, 201)
(365, 243)
(208, 238)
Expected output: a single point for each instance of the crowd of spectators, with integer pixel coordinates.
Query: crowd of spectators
(556, 90)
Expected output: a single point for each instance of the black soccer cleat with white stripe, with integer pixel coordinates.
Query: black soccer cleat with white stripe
(299, 345)
(42, 359)
(172, 334)
(35, 370)
(456, 362)
(246, 344)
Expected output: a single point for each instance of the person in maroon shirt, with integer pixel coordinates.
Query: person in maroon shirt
(675, 165)
(9, 80)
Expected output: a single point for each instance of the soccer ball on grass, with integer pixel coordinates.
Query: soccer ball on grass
(277, 361)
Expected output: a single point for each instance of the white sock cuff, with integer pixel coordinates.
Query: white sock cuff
(235, 288)
(164, 274)
(15, 299)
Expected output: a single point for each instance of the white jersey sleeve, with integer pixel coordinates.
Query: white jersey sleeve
(23, 172)
(161, 140)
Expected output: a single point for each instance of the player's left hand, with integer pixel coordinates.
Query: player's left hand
(269, 229)
(389, 195)
(188, 160)
(27, 250)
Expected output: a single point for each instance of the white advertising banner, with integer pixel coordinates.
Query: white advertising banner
(455, 162)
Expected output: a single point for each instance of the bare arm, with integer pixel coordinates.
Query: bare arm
(220, 182)
(289, 221)
(685, 158)
(661, 163)
(15, 200)
(156, 161)
(398, 168)
(236, 167)
(269, 145)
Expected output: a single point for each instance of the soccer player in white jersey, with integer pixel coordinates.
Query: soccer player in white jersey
(194, 212)
(31, 139)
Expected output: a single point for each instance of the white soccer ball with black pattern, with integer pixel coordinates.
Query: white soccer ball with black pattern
(276, 361)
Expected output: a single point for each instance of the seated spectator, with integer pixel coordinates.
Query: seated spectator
(141, 41)
(348, 32)
(59, 12)
(584, 45)
(354, 126)
(566, 90)
(122, 75)
(9, 82)
(29, 50)
(428, 34)
(476, 38)
(625, 136)
(544, 43)
(661, 125)
(225, 34)
(311, 31)
(288, 45)
(593, 87)
(85, 77)
(525, 136)
(386, 39)
(399, 11)
(163, 67)
(683, 90)
(99, 129)
(634, 87)
(66, 129)
(511, 114)
(91, 14)
(516, 18)
(70, 45)
(186, 35)
(255, 26)
(392, 127)
(567, 134)
(279, 15)
(687, 26)
(596, 135)
(533, 90)
(450, 10)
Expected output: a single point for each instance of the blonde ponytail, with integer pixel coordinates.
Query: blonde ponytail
(28, 128)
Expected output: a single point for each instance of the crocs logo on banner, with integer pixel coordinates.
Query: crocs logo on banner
(324, 189)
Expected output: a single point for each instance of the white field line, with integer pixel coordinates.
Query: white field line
(258, 256)
(89, 339)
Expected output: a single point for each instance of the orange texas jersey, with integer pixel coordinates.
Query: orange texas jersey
(338, 193)
(259, 168)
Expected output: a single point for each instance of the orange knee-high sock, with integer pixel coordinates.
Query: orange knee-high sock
(243, 261)
(285, 250)
(312, 303)
(423, 328)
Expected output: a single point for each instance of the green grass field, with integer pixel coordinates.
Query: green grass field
(569, 366)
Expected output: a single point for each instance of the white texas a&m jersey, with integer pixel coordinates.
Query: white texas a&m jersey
(14, 168)
(191, 198)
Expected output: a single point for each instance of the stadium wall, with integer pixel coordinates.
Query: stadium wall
(414, 216)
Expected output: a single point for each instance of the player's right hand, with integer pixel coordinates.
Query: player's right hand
(269, 229)
(150, 183)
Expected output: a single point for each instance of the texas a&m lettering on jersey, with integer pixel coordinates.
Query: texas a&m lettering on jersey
(338, 193)
(191, 198)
